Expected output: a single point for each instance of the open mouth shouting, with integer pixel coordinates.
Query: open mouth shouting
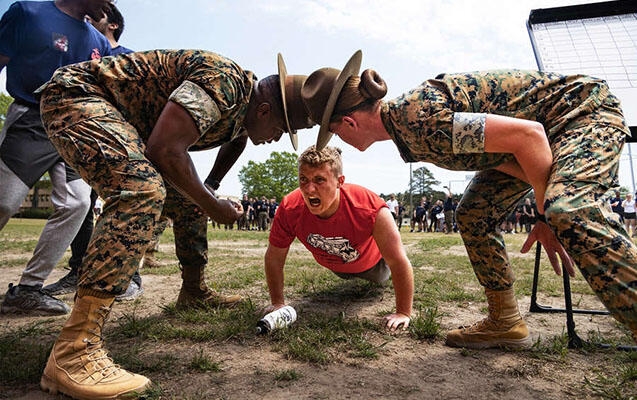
(314, 201)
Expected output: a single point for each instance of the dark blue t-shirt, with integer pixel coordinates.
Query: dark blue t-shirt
(448, 205)
(38, 38)
(120, 50)
(618, 209)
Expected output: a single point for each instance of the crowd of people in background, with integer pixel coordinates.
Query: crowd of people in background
(257, 214)
(430, 214)
(522, 219)
(434, 215)
(625, 208)
(427, 216)
(438, 215)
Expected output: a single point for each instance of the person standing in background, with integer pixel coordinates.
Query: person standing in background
(97, 207)
(528, 215)
(448, 209)
(272, 211)
(262, 213)
(253, 220)
(399, 216)
(111, 25)
(36, 38)
(438, 216)
(392, 204)
(628, 206)
(419, 215)
(616, 205)
(243, 220)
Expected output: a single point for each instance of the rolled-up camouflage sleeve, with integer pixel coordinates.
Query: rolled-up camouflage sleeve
(201, 107)
(468, 132)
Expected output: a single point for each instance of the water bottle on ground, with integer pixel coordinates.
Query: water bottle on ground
(278, 319)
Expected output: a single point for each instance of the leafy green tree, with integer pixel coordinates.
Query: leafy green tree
(273, 178)
(422, 181)
(5, 100)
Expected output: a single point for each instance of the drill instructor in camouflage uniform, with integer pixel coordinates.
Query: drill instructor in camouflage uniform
(126, 125)
(560, 136)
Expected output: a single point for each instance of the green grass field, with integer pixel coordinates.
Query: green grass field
(444, 282)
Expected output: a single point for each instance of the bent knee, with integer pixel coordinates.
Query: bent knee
(150, 194)
(564, 214)
(8, 210)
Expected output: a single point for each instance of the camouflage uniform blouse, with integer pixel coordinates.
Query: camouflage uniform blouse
(213, 89)
(442, 120)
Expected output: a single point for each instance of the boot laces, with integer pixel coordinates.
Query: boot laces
(94, 350)
(484, 324)
(487, 323)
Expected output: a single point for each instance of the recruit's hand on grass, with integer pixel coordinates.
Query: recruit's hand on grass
(396, 321)
(543, 234)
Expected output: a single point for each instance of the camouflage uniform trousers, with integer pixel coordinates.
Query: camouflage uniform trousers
(92, 136)
(190, 227)
(160, 227)
(108, 152)
(585, 165)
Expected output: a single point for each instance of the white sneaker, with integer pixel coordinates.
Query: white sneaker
(133, 292)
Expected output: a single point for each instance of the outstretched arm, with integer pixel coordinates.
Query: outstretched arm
(274, 263)
(391, 248)
(174, 132)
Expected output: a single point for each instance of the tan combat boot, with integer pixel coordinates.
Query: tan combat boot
(195, 293)
(79, 366)
(149, 260)
(504, 327)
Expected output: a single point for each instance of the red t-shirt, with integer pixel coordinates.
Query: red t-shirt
(342, 242)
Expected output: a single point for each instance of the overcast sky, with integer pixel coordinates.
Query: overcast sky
(407, 42)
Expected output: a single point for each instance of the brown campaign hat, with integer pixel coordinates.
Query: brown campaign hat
(294, 111)
(320, 93)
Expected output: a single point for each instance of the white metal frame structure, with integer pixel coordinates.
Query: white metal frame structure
(600, 40)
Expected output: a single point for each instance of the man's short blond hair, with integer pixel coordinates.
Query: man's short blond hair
(331, 155)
